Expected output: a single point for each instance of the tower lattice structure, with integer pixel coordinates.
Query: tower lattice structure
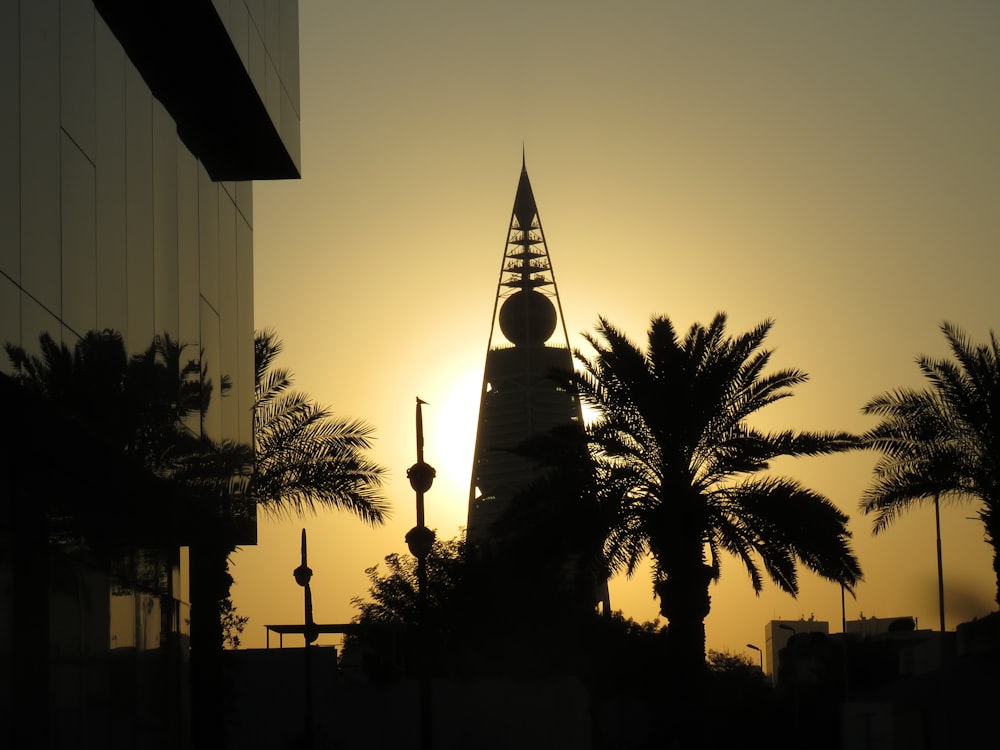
(528, 343)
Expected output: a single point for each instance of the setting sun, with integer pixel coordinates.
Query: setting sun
(451, 430)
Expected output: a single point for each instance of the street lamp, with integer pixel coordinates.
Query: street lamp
(419, 540)
(757, 649)
(302, 575)
(940, 572)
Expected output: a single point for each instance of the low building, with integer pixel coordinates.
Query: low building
(777, 633)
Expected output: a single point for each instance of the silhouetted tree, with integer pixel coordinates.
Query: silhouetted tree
(385, 636)
(943, 441)
(393, 596)
(233, 624)
(680, 469)
(737, 689)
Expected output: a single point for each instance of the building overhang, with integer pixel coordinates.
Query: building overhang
(187, 58)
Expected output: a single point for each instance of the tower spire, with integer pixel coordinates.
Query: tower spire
(528, 342)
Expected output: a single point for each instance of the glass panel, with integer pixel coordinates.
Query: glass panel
(258, 56)
(139, 210)
(290, 133)
(39, 168)
(10, 144)
(76, 42)
(244, 201)
(112, 301)
(229, 314)
(245, 379)
(212, 421)
(288, 58)
(10, 318)
(208, 237)
(272, 92)
(239, 31)
(36, 320)
(188, 272)
(79, 238)
(165, 217)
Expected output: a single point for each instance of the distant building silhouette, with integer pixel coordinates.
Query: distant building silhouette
(777, 634)
(883, 684)
(519, 399)
(128, 136)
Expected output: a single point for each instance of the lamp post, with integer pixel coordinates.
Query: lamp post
(419, 540)
(940, 570)
(302, 575)
(761, 653)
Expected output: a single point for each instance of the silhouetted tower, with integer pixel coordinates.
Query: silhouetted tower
(528, 340)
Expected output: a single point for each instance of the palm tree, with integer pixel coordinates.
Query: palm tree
(680, 469)
(943, 442)
(304, 455)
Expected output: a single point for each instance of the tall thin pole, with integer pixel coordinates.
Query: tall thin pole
(420, 460)
(843, 610)
(420, 539)
(940, 567)
(843, 639)
(302, 575)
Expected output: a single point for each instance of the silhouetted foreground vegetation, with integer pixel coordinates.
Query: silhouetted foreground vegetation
(183, 488)
(638, 693)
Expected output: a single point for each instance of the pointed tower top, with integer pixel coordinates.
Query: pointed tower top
(527, 311)
(525, 209)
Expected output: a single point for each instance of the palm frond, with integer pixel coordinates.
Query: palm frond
(305, 456)
(941, 441)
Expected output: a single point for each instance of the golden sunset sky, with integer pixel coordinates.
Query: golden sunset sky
(833, 166)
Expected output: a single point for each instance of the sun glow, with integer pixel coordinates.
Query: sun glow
(451, 440)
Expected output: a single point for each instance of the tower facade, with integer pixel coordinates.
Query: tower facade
(519, 397)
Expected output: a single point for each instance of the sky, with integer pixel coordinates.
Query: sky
(834, 167)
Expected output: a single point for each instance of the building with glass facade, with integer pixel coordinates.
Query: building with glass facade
(130, 134)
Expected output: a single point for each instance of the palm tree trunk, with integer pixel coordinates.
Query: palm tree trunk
(996, 572)
(685, 602)
(991, 529)
(940, 566)
(210, 585)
